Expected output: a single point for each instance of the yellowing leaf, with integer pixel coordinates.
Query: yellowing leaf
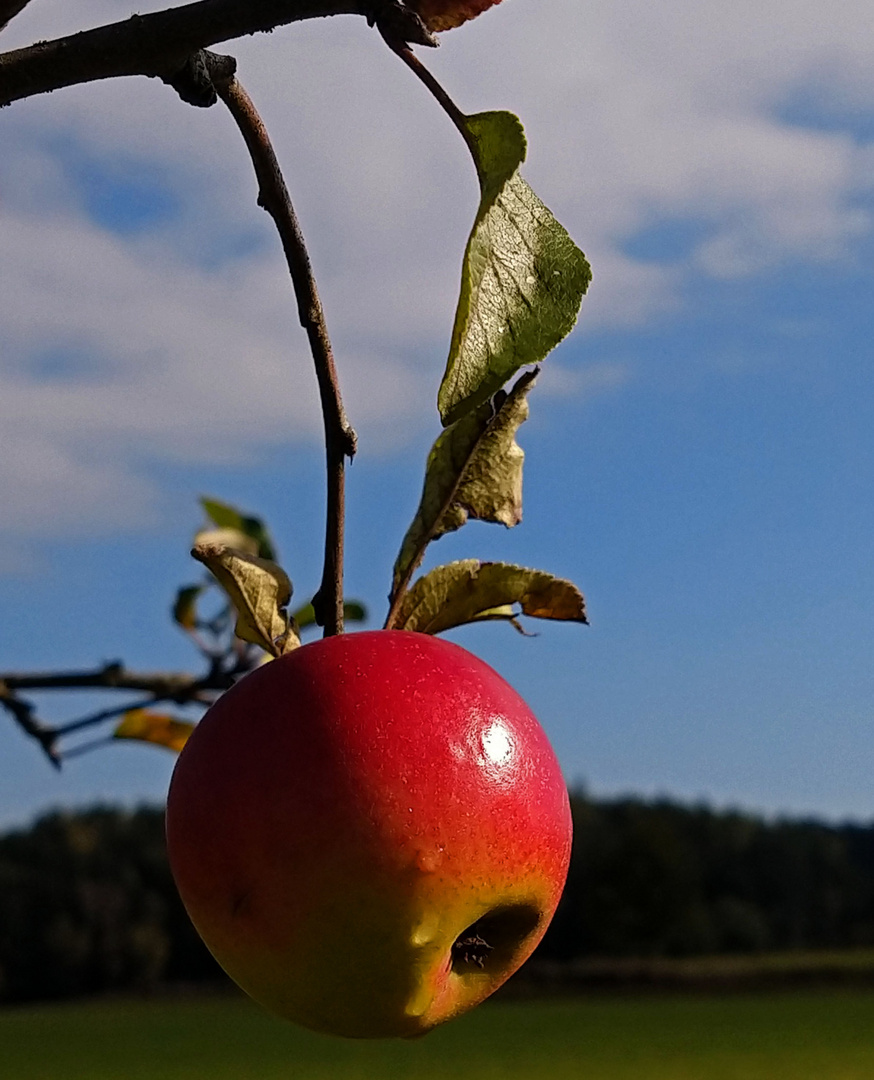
(523, 278)
(162, 729)
(470, 590)
(474, 470)
(259, 590)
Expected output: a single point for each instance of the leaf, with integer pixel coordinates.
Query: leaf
(163, 729)
(259, 590)
(185, 606)
(522, 280)
(470, 590)
(225, 516)
(353, 611)
(228, 537)
(474, 470)
(438, 15)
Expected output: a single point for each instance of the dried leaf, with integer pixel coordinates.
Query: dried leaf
(259, 590)
(470, 590)
(438, 15)
(474, 470)
(162, 729)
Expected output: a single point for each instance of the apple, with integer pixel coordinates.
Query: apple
(370, 833)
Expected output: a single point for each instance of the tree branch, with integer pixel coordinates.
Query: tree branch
(340, 439)
(153, 45)
(170, 685)
(23, 714)
(9, 9)
(179, 687)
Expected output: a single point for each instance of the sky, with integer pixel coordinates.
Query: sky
(699, 453)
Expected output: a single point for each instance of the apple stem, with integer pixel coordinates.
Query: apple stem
(340, 439)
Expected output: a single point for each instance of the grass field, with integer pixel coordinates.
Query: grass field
(790, 1036)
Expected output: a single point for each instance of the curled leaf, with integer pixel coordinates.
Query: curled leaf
(474, 470)
(522, 280)
(225, 516)
(228, 537)
(162, 729)
(469, 590)
(259, 590)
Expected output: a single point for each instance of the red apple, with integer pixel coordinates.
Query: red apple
(371, 833)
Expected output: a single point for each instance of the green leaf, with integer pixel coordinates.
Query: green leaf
(353, 611)
(162, 729)
(522, 280)
(474, 470)
(225, 516)
(185, 606)
(259, 590)
(470, 590)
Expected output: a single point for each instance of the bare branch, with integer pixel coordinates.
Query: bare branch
(9, 9)
(340, 439)
(153, 45)
(91, 719)
(172, 686)
(23, 713)
(178, 687)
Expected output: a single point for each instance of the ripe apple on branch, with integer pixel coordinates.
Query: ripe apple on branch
(371, 831)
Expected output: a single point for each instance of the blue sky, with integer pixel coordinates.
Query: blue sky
(699, 455)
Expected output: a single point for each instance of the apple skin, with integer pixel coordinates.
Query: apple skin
(342, 815)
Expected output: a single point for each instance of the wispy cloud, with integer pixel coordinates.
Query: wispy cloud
(177, 339)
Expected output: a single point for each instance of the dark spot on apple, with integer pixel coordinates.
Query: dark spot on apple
(239, 904)
(492, 941)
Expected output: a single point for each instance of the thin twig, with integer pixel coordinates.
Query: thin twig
(445, 101)
(87, 747)
(92, 719)
(181, 688)
(340, 439)
(174, 686)
(23, 714)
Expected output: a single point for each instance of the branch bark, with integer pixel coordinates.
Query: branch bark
(172, 686)
(9, 9)
(340, 439)
(153, 45)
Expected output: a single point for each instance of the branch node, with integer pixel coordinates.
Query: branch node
(400, 26)
(350, 442)
(196, 82)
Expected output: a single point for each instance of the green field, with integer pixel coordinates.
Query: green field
(791, 1036)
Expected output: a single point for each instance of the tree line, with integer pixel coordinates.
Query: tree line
(87, 903)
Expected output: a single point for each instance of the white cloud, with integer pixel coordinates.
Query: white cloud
(637, 114)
